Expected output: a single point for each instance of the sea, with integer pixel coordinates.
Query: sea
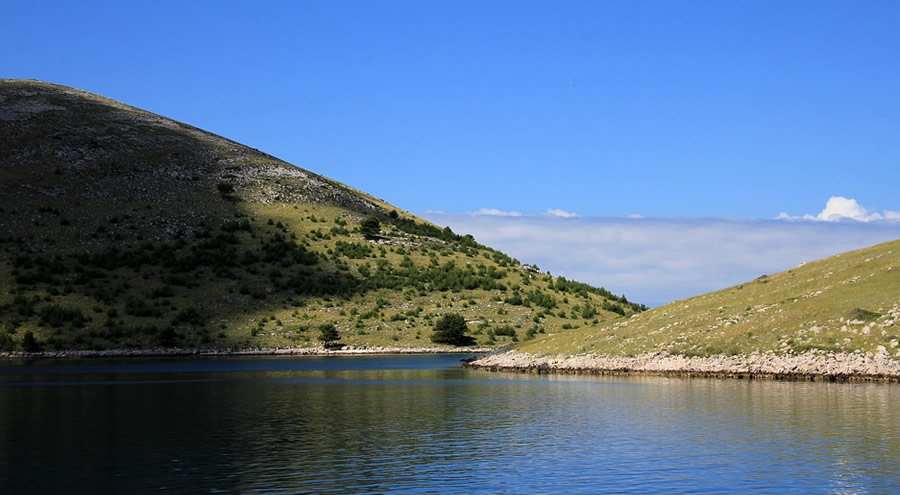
(425, 424)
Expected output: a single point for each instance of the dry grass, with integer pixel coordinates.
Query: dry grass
(80, 174)
(844, 303)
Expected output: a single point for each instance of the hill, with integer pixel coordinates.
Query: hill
(836, 316)
(121, 229)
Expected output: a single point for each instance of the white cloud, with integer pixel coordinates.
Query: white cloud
(840, 208)
(658, 260)
(556, 212)
(493, 212)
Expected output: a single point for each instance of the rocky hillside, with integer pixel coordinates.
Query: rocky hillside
(837, 316)
(120, 228)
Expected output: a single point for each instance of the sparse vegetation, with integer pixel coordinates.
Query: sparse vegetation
(847, 303)
(150, 255)
(863, 315)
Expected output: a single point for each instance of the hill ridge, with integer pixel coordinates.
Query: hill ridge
(120, 228)
(839, 316)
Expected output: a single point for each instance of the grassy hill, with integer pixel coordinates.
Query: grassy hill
(120, 228)
(843, 304)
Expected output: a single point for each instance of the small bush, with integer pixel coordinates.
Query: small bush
(6, 342)
(136, 306)
(56, 316)
(167, 337)
(189, 316)
(225, 188)
(506, 331)
(863, 315)
(29, 343)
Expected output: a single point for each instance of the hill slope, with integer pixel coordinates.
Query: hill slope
(120, 228)
(846, 306)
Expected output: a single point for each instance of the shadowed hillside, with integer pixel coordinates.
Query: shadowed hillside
(121, 228)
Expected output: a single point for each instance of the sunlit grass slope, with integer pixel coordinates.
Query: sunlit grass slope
(120, 228)
(844, 303)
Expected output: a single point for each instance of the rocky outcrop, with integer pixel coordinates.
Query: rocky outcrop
(812, 365)
(281, 351)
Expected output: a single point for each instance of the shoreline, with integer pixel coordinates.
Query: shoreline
(810, 366)
(199, 352)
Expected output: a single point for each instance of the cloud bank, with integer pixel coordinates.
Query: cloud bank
(839, 208)
(494, 212)
(556, 212)
(658, 260)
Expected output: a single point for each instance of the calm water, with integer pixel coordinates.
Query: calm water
(422, 424)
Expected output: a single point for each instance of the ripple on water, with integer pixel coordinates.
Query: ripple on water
(391, 428)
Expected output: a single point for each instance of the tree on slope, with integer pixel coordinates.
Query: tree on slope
(328, 334)
(451, 329)
(370, 227)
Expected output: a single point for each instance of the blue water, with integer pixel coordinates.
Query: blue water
(422, 424)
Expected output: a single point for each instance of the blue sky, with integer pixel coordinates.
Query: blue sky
(741, 110)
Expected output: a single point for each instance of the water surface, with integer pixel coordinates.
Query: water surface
(400, 424)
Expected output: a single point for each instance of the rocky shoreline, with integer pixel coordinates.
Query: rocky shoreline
(809, 366)
(286, 351)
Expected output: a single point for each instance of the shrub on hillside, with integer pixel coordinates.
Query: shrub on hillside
(370, 227)
(225, 188)
(863, 315)
(56, 316)
(6, 342)
(189, 316)
(506, 331)
(29, 343)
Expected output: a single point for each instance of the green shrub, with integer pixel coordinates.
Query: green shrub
(541, 299)
(6, 342)
(225, 188)
(56, 316)
(163, 291)
(506, 331)
(167, 337)
(189, 316)
(533, 331)
(863, 315)
(613, 307)
(370, 227)
(515, 299)
(29, 343)
(352, 250)
(588, 312)
(136, 306)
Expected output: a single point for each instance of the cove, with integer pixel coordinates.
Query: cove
(424, 424)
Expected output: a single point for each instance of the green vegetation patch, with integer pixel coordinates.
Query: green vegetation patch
(863, 315)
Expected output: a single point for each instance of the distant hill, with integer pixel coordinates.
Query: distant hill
(848, 303)
(120, 228)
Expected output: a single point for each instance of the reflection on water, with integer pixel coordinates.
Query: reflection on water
(422, 424)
